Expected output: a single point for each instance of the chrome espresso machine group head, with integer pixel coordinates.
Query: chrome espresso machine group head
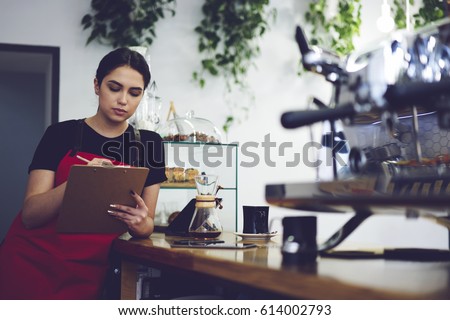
(393, 100)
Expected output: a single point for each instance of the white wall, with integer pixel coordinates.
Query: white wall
(276, 86)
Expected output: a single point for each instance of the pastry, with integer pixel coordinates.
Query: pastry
(190, 174)
(169, 174)
(178, 174)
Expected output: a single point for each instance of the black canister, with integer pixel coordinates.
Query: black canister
(299, 239)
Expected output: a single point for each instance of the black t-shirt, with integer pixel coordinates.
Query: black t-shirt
(62, 137)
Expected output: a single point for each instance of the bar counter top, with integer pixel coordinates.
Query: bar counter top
(262, 269)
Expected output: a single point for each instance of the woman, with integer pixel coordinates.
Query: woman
(36, 262)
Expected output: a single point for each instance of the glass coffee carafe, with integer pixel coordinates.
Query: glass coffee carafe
(205, 223)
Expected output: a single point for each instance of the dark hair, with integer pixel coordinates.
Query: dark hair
(123, 57)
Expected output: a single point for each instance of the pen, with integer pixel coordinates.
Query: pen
(82, 159)
(104, 163)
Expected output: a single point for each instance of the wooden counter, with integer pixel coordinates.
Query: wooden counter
(261, 269)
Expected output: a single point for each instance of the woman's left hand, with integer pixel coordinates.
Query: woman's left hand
(137, 219)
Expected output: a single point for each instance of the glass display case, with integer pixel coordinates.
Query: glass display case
(185, 160)
(190, 129)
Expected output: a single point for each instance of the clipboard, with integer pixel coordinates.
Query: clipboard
(89, 192)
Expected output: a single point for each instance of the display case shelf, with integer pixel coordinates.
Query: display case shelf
(183, 158)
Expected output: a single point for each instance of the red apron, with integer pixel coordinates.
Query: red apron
(44, 264)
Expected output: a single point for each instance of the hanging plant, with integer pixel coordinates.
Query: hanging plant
(125, 23)
(399, 13)
(335, 33)
(228, 38)
(431, 10)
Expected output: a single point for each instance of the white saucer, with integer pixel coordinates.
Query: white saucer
(256, 236)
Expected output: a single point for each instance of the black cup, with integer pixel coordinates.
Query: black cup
(299, 239)
(256, 219)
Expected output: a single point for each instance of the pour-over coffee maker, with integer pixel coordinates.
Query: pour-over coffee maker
(205, 223)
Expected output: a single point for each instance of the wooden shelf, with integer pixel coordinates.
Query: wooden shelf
(186, 184)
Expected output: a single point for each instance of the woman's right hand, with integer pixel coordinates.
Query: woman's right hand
(100, 162)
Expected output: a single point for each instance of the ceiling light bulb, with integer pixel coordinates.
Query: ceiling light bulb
(385, 23)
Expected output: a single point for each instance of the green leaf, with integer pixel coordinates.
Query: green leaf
(94, 35)
(201, 47)
(228, 123)
(213, 71)
(86, 19)
(206, 63)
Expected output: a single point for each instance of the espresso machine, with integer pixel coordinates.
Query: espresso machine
(398, 94)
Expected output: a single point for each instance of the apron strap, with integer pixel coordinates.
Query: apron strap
(78, 138)
(139, 158)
